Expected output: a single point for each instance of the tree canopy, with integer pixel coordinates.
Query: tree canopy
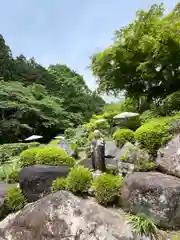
(144, 59)
(36, 100)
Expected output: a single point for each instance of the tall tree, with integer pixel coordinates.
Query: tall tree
(144, 59)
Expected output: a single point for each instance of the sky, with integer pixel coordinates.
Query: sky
(67, 31)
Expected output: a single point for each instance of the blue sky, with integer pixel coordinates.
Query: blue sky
(66, 31)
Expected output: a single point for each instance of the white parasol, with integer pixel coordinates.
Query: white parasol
(100, 120)
(125, 115)
(33, 137)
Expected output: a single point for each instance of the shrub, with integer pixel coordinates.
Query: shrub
(9, 150)
(170, 104)
(53, 155)
(79, 180)
(147, 116)
(107, 188)
(13, 175)
(58, 184)
(33, 144)
(124, 135)
(14, 200)
(152, 135)
(28, 157)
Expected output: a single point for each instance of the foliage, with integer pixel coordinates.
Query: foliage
(28, 157)
(124, 135)
(7, 151)
(143, 226)
(152, 134)
(58, 184)
(13, 174)
(53, 155)
(144, 59)
(170, 104)
(107, 188)
(148, 115)
(14, 200)
(79, 180)
(39, 100)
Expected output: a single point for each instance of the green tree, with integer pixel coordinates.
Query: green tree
(143, 61)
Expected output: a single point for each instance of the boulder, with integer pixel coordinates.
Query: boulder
(168, 158)
(35, 181)
(64, 216)
(135, 155)
(154, 195)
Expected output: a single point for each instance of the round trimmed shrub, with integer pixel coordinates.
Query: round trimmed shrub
(14, 200)
(152, 135)
(53, 155)
(54, 141)
(106, 188)
(79, 180)
(28, 157)
(124, 135)
(58, 184)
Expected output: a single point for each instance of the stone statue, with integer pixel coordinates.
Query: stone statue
(98, 152)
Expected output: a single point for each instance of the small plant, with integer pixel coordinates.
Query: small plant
(107, 188)
(58, 184)
(143, 226)
(79, 180)
(14, 200)
(123, 158)
(53, 155)
(13, 175)
(121, 136)
(28, 157)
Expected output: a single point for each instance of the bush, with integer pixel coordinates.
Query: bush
(147, 116)
(13, 175)
(170, 104)
(53, 155)
(124, 135)
(58, 184)
(9, 150)
(153, 135)
(79, 180)
(14, 200)
(33, 144)
(107, 188)
(28, 157)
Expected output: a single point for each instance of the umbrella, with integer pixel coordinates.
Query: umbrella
(60, 137)
(33, 137)
(100, 120)
(125, 115)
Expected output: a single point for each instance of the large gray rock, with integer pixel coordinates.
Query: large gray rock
(135, 155)
(155, 195)
(168, 157)
(35, 181)
(65, 216)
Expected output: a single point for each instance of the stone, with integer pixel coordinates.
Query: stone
(135, 155)
(168, 157)
(35, 181)
(64, 216)
(154, 195)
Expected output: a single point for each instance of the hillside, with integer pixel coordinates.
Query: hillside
(42, 101)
